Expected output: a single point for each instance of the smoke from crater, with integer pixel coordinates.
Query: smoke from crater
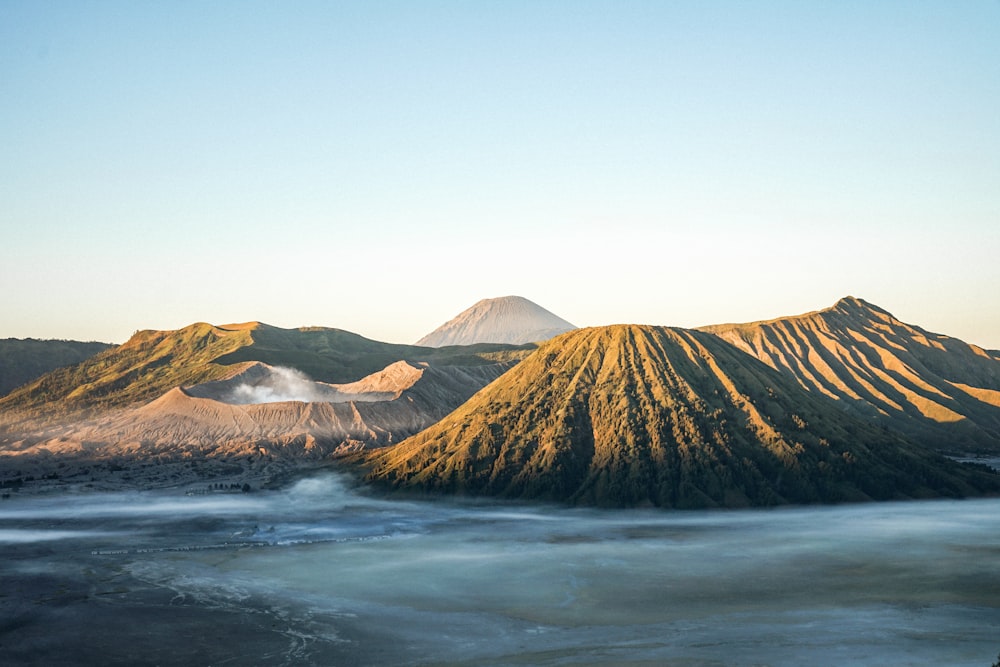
(279, 385)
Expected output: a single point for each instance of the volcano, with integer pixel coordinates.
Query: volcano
(634, 415)
(510, 319)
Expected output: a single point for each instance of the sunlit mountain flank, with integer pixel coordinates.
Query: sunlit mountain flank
(938, 390)
(639, 415)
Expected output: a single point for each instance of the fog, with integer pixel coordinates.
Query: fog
(318, 573)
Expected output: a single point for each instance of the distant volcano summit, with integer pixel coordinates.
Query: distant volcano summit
(507, 319)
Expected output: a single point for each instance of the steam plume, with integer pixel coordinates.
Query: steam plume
(281, 384)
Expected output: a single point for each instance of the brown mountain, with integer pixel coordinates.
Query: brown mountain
(634, 415)
(152, 363)
(212, 420)
(171, 402)
(937, 390)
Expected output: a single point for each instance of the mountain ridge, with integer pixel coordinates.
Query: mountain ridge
(23, 360)
(631, 415)
(938, 390)
(152, 362)
(833, 405)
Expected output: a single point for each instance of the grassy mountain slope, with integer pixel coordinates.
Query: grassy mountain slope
(937, 390)
(146, 366)
(24, 360)
(634, 415)
(153, 362)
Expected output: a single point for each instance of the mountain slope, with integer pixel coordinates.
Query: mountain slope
(632, 415)
(937, 390)
(24, 360)
(153, 362)
(378, 410)
(509, 319)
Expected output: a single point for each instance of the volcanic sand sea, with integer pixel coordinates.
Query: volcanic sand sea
(319, 573)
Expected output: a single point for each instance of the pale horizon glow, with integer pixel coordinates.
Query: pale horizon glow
(380, 167)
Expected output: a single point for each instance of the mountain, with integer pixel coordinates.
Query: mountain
(153, 362)
(509, 319)
(245, 400)
(261, 419)
(641, 415)
(936, 390)
(24, 360)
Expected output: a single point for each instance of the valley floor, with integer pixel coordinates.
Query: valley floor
(31, 477)
(317, 573)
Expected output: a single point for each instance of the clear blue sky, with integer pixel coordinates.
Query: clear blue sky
(380, 166)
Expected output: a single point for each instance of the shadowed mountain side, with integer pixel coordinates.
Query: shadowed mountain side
(152, 362)
(636, 415)
(144, 367)
(506, 319)
(180, 423)
(937, 390)
(24, 360)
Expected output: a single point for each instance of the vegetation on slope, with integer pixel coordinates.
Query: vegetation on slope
(24, 360)
(634, 415)
(153, 362)
(146, 366)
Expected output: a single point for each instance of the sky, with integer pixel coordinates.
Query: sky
(381, 166)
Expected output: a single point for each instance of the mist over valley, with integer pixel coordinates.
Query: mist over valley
(322, 572)
(315, 497)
